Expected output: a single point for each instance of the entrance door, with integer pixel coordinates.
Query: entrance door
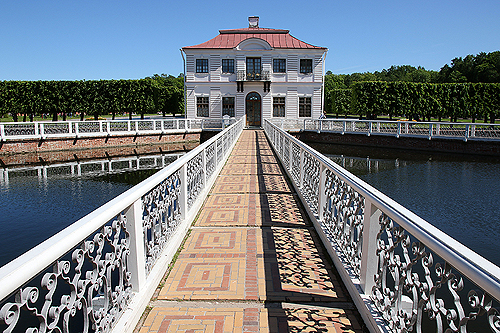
(253, 104)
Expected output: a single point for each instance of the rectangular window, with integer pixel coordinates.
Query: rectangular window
(278, 106)
(227, 65)
(279, 65)
(201, 65)
(306, 66)
(304, 106)
(253, 68)
(202, 107)
(228, 106)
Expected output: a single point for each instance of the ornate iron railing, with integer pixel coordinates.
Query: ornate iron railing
(465, 131)
(78, 129)
(253, 75)
(99, 273)
(397, 266)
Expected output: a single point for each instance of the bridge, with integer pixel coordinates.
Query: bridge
(285, 240)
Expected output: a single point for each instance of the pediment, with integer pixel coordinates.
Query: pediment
(253, 44)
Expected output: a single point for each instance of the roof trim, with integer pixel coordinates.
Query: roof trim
(276, 38)
(254, 31)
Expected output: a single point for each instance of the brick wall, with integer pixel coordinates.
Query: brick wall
(491, 148)
(63, 156)
(71, 144)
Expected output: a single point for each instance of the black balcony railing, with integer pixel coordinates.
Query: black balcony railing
(253, 76)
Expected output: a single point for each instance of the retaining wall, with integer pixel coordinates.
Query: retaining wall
(476, 147)
(23, 146)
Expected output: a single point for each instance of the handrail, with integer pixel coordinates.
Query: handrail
(82, 129)
(110, 261)
(428, 130)
(370, 237)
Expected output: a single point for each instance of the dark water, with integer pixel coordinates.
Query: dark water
(34, 208)
(458, 194)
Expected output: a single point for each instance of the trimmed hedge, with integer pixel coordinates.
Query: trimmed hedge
(420, 100)
(93, 98)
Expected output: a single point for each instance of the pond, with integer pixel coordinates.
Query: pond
(37, 202)
(459, 194)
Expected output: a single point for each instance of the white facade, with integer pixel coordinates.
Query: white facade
(241, 62)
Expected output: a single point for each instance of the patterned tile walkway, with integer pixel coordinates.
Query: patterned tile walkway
(252, 262)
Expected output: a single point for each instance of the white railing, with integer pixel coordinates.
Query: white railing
(100, 273)
(81, 129)
(395, 264)
(464, 131)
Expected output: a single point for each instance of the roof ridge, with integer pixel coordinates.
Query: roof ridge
(252, 30)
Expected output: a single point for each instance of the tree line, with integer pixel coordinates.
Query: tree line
(58, 99)
(467, 88)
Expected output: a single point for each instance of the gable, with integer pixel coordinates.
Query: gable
(253, 44)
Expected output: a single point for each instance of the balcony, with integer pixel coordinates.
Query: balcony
(249, 76)
(253, 76)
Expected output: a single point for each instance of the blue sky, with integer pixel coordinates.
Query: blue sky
(107, 39)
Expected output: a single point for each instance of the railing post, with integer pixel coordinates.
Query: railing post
(438, 128)
(430, 131)
(36, 130)
(344, 127)
(77, 128)
(321, 192)
(70, 128)
(129, 127)
(137, 256)
(108, 127)
(370, 129)
(183, 197)
(2, 131)
(472, 130)
(42, 130)
(301, 183)
(399, 130)
(100, 127)
(204, 163)
(369, 258)
(466, 134)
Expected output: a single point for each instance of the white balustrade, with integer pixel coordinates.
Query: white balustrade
(464, 131)
(77, 129)
(403, 273)
(100, 273)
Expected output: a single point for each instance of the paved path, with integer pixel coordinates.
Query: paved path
(252, 261)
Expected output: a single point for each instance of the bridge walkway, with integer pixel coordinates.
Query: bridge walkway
(252, 261)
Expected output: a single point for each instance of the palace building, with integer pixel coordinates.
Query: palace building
(257, 72)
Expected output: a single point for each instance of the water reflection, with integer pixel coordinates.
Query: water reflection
(458, 194)
(37, 202)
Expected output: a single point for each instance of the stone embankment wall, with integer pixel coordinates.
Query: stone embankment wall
(487, 148)
(34, 151)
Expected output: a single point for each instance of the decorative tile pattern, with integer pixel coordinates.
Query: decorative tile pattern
(227, 258)
(249, 319)
(184, 319)
(294, 254)
(311, 320)
(207, 278)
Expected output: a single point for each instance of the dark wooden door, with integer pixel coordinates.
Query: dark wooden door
(253, 109)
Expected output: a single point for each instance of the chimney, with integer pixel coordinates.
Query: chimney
(253, 21)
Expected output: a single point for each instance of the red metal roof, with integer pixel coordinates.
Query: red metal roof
(277, 38)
